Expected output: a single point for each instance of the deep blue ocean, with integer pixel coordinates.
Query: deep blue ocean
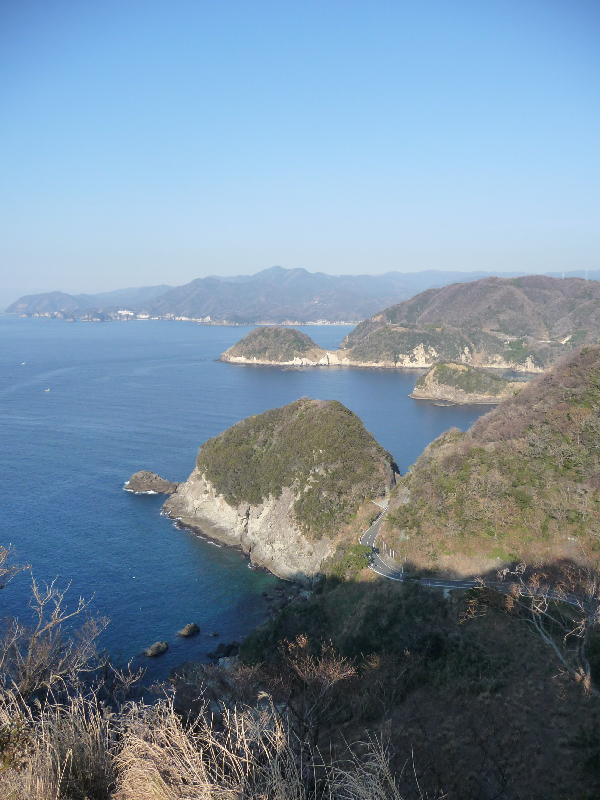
(84, 405)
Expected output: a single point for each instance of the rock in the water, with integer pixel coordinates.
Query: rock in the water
(190, 630)
(149, 483)
(157, 649)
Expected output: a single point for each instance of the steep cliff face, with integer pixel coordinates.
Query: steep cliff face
(285, 485)
(267, 532)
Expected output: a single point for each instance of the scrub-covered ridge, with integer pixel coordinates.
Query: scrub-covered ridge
(525, 323)
(522, 483)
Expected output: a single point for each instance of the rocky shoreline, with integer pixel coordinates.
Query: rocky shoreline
(265, 532)
(417, 359)
(458, 384)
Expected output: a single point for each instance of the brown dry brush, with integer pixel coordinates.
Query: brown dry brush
(76, 749)
(255, 756)
(69, 731)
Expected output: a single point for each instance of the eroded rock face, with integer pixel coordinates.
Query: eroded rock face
(149, 483)
(267, 532)
(491, 391)
(419, 357)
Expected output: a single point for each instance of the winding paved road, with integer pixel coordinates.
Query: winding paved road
(379, 566)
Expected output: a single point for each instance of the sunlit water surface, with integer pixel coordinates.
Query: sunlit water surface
(84, 405)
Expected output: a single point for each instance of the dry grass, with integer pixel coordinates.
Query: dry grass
(253, 756)
(74, 751)
(66, 751)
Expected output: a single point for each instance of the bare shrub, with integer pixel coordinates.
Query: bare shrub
(8, 570)
(310, 684)
(564, 613)
(40, 655)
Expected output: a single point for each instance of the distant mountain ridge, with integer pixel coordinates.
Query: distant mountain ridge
(60, 301)
(274, 296)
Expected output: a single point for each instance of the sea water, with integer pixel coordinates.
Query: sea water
(84, 405)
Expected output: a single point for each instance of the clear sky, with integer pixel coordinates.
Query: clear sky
(147, 142)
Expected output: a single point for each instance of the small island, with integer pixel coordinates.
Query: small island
(457, 383)
(292, 487)
(274, 345)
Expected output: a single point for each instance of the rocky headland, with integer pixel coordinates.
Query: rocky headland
(285, 486)
(275, 346)
(389, 348)
(524, 324)
(457, 383)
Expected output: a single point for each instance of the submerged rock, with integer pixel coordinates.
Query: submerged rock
(190, 630)
(225, 650)
(144, 482)
(156, 649)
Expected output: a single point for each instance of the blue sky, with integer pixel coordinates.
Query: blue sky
(150, 142)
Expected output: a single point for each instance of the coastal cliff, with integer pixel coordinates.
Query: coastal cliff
(267, 532)
(457, 383)
(285, 486)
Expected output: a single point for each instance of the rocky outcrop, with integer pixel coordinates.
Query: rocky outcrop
(189, 630)
(156, 649)
(149, 483)
(266, 532)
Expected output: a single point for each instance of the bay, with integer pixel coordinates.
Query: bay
(84, 405)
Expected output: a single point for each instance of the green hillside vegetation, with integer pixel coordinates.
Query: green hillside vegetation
(319, 448)
(273, 344)
(388, 344)
(532, 317)
(522, 483)
(467, 379)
